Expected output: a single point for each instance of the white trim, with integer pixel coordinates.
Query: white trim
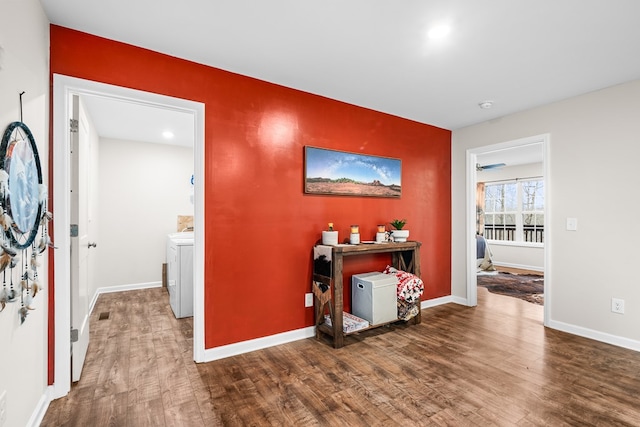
(515, 243)
(548, 300)
(595, 335)
(61, 226)
(471, 182)
(519, 266)
(121, 288)
(41, 408)
(63, 86)
(258, 344)
(442, 300)
(199, 227)
(295, 335)
(470, 232)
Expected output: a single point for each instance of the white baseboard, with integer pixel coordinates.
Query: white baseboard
(257, 344)
(519, 266)
(564, 327)
(41, 408)
(121, 288)
(299, 334)
(595, 335)
(442, 300)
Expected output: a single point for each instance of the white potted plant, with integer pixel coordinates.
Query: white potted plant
(399, 235)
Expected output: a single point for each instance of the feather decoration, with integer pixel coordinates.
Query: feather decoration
(23, 314)
(6, 221)
(4, 296)
(43, 193)
(27, 301)
(43, 242)
(46, 216)
(5, 261)
(4, 182)
(8, 250)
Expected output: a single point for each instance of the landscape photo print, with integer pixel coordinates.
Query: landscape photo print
(342, 173)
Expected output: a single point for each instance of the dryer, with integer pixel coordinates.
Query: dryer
(180, 273)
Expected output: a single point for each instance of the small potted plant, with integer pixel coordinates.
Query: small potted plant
(399, 235)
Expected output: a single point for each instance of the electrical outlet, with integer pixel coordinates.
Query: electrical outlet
(308, 300)
(3, 407)
(617, 305)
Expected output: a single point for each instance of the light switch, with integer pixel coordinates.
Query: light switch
(572, 224)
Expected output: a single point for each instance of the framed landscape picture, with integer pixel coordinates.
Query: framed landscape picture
(342, 173)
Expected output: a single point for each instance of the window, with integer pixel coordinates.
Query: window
(514, 211)
(532, 210)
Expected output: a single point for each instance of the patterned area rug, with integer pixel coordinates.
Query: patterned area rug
(528, 287)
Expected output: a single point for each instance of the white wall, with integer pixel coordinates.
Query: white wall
(143, 187)
(24, 66)
(517, 256)
(593, 176)
(513, 254)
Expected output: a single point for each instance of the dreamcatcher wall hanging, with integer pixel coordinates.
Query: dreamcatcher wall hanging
(23, 217)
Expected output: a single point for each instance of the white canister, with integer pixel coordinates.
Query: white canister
(329, 237)
(381, 237)
(354, 239)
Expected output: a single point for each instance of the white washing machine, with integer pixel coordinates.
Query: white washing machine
(180, 273)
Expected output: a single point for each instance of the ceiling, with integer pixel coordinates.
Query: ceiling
(515, 156)
(376, 53)
(132, 121)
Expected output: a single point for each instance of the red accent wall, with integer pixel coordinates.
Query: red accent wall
(260, 226)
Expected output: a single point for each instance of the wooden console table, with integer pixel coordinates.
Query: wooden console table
(405, 256)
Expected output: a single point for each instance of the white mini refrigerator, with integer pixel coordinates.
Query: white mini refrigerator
(373, 297)
(180, 273)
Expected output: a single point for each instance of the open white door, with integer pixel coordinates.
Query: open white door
(79, 201)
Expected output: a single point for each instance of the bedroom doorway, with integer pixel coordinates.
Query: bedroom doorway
(503, 175)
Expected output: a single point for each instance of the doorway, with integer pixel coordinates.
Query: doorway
(490, 154)
(63, 88)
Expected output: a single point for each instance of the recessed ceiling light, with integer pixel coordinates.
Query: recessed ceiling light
(485, 105)
(439, 32)
(167, 134)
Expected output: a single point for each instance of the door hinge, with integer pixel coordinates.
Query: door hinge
(74, 230)
(73, 125)
(74, 335)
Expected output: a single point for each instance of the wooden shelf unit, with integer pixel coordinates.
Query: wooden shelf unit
(404, 256)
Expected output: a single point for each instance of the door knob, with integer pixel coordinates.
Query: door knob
(92, 245)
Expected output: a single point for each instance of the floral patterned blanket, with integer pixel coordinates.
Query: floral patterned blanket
(410, 287)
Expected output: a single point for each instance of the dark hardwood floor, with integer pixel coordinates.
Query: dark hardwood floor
(494, 364)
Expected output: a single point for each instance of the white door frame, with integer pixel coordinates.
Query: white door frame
(63, 86)
(472, 154)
